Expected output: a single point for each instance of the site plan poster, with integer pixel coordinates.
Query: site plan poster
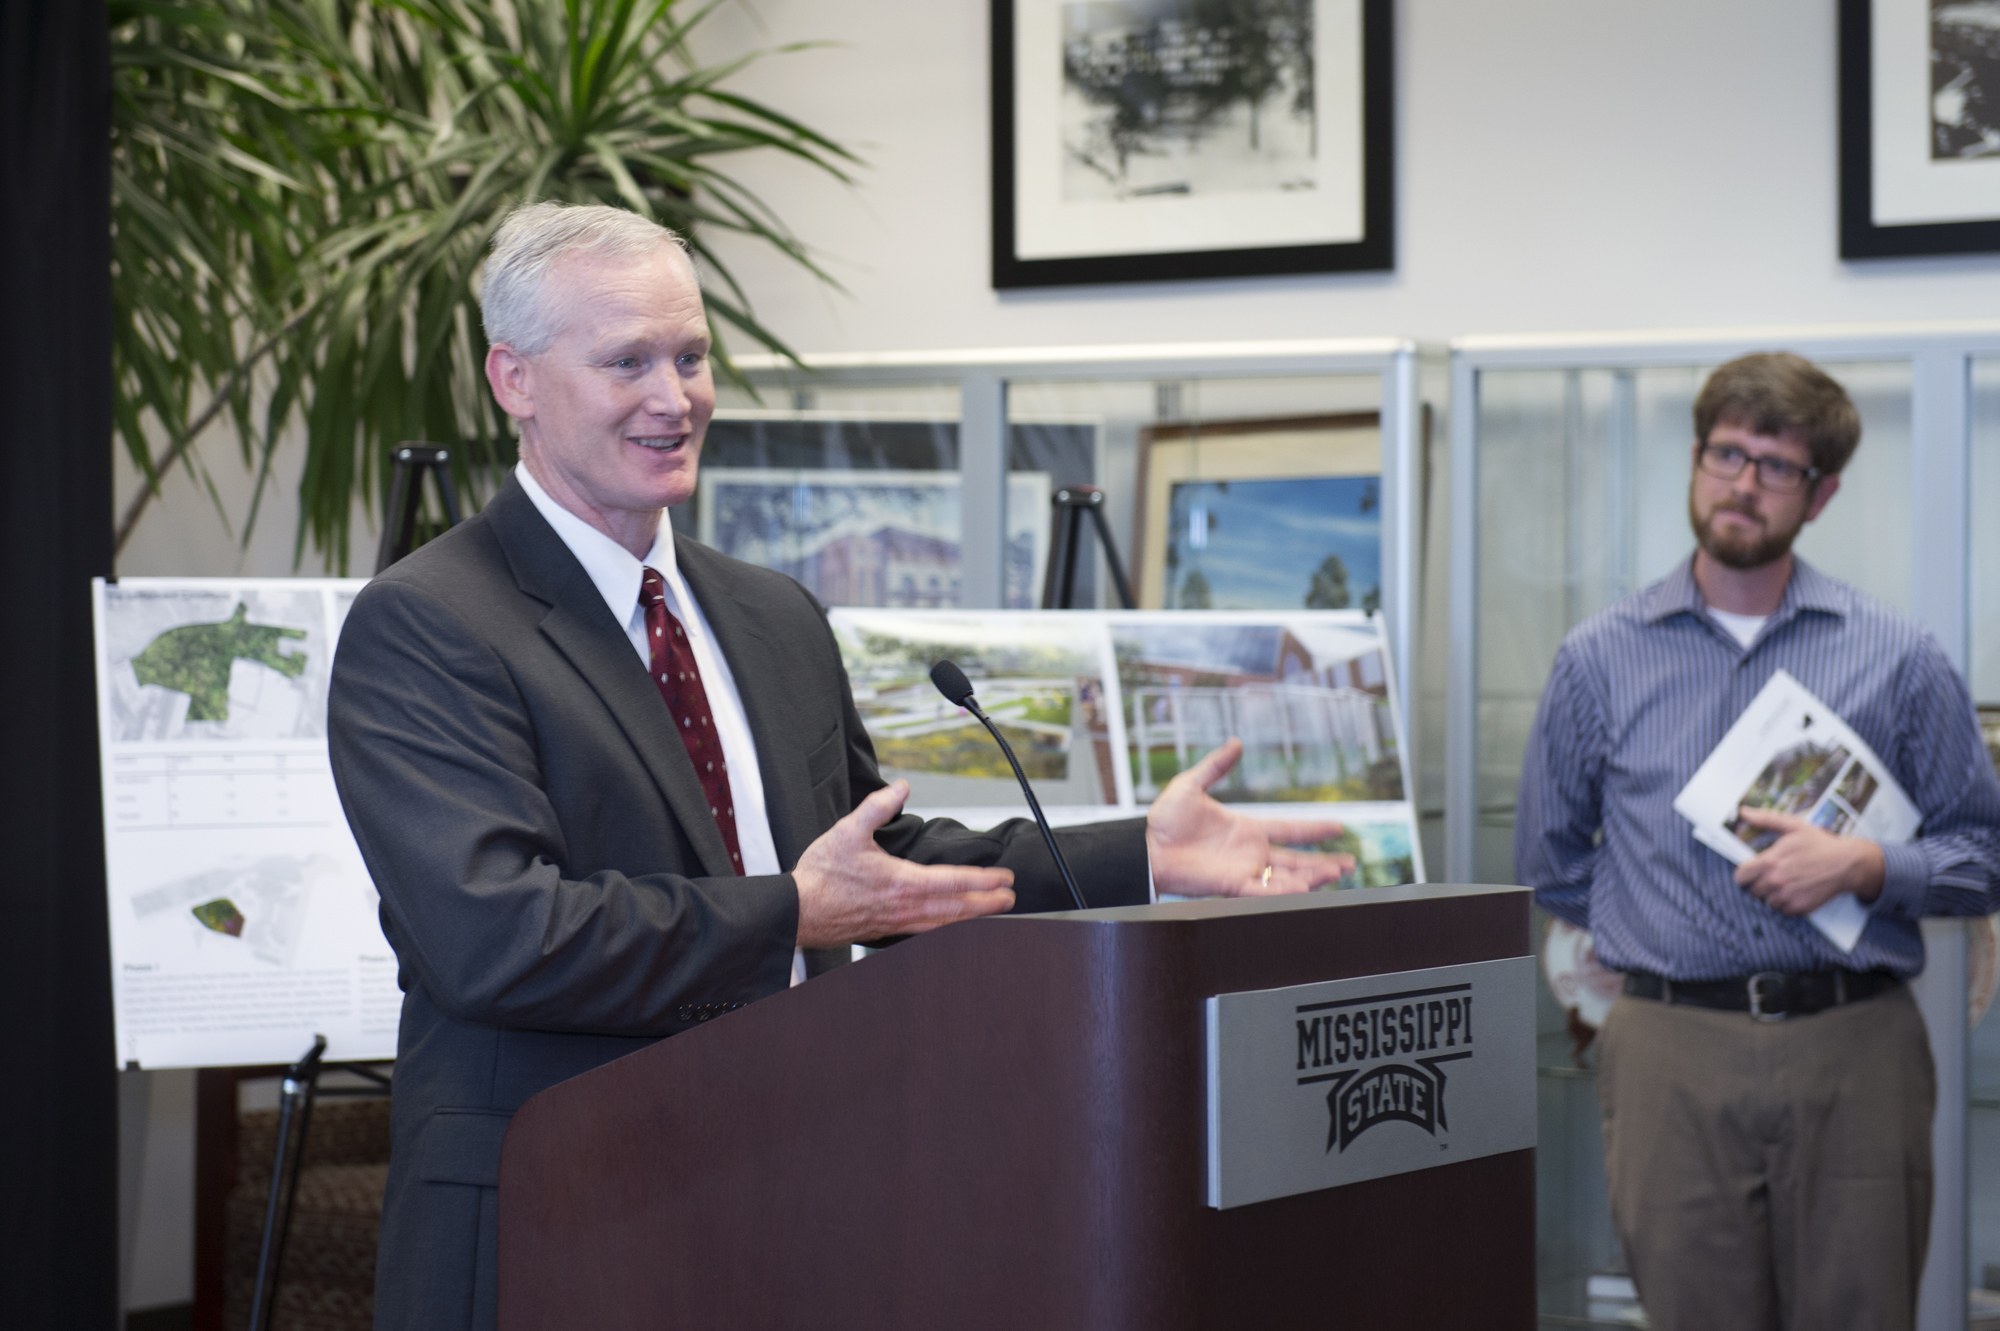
(242, 920)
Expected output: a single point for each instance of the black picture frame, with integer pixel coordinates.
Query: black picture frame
(1860, 236)
(1374, 251)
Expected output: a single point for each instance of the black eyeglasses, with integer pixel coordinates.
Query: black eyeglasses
(1725, 462)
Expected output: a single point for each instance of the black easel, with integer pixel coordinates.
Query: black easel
(406, 499)
(1071, 503)
(296, 1093)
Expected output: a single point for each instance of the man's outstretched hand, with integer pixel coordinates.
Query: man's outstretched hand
(851, 890)
(1808, 866)
(1202, 848)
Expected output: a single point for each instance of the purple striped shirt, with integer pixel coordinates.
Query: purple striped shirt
(1643, 690)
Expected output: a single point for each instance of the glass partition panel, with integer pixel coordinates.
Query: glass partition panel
(852, 490)
(1982, 1129)
(1867, 534)
(1062, 434)
(1984, 420)
(1983, 1064)
(1222, 493)
(1556, 542)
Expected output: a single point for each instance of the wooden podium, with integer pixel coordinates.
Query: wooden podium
(1002, 1125)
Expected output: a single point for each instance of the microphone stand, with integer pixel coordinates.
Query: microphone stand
(951, 682)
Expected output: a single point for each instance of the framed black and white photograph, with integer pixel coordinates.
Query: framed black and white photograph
(1919, 127)
(1155, 140)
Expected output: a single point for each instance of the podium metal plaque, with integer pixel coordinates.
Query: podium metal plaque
(1319, 1085)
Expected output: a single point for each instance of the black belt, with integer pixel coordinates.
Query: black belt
(1767, 995)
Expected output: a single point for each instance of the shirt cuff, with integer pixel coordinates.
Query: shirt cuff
(1906, 881)
(1152, 892)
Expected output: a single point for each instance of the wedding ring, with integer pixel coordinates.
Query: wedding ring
(1267, 876)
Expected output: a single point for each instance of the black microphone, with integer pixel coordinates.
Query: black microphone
(957, 689)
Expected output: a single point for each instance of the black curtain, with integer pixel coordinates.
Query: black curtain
(58, 1092)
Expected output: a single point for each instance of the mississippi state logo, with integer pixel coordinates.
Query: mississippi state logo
(1335, 1082)
(1354, 1038)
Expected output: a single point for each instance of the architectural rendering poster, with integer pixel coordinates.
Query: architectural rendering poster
(1105, 707)
(1138, 140)
(1919, 127)
(242, 919)
(1042, 677)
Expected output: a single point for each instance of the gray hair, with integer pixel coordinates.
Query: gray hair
(513, 301)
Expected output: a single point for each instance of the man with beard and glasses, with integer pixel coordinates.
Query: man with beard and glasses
(1766, 1098)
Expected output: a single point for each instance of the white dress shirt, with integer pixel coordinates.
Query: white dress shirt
(617, 577)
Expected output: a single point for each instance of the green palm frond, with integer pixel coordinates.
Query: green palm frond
(306, 189)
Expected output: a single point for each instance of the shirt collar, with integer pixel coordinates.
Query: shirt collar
(610, 566)
(1674, 594)
(1809, 589)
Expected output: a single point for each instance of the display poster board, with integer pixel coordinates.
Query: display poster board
(242, 919)
(1105, 707)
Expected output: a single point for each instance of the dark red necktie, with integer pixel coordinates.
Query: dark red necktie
(679, 682)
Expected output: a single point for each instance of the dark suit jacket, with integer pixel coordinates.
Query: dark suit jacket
(552, 881)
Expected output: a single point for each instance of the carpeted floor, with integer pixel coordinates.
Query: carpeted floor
(328, 1279)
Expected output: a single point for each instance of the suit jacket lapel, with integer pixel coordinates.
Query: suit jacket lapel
(582, 629)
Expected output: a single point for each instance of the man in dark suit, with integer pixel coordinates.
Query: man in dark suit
(611, 784)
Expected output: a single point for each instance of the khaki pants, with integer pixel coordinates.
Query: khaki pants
(1770, 1176)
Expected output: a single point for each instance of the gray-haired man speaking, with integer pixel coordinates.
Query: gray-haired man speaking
(611, 783)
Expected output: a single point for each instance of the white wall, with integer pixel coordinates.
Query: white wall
(1561, 165)
(193, 531)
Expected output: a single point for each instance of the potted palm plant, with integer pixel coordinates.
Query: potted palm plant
(303, 191)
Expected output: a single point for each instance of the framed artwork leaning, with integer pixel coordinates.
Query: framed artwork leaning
(868, 538)
(1157, 140)
(1919, 128)
(1283, 513)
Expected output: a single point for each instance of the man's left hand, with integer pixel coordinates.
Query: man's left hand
(1808, 866)
(1202, 848)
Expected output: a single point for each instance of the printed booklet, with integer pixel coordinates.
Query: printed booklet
(1791, 753)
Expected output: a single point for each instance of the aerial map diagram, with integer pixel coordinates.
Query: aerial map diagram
(243, 921)
(258, 908)
(215, 664)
